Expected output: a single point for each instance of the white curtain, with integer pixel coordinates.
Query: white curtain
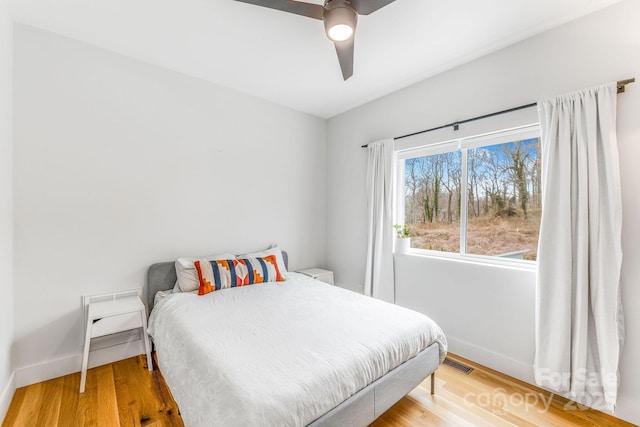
(379, 280)
(579, 322)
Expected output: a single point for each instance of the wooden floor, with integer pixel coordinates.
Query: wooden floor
(126, 394)
(122, 394)
(487, 398)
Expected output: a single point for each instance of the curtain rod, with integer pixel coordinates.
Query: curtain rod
(621, 88)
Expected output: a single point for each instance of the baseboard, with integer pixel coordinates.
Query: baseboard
(70, 364)
(507, 365)
(6, 396)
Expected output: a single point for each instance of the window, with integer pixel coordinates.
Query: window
(497, 210)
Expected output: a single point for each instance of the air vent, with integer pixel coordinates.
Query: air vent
(459, 366)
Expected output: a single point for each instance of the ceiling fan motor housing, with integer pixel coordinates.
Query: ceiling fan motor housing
(339, 12)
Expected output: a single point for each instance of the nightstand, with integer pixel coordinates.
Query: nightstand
(319, 274)
(117, 314)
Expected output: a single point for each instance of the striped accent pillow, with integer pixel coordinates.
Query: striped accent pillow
(230, 273)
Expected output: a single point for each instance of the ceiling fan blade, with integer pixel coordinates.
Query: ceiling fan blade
(365, 7)
(310, 10)
(345, 56)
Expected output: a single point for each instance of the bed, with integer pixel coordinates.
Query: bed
(292, 353)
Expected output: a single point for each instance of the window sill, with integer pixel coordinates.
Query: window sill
(514, 264)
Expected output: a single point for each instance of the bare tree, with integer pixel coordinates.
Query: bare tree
(412, 183)
(474, 175)
(450, 181)
(518, 158)
(431, 174)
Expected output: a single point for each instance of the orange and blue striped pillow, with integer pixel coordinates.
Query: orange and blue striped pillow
(230, 273)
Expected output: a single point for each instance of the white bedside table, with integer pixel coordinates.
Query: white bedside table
(318, 273)
(112, 316)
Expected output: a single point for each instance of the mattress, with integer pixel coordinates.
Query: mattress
(279, 354)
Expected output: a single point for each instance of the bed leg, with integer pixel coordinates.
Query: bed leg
(433, 383)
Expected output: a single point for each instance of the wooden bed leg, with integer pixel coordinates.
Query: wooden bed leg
(433, 383)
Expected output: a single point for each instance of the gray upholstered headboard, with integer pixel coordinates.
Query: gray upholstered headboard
(162, 277)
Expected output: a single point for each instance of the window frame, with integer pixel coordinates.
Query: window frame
(463, 145)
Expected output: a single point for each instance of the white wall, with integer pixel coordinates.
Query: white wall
(487, 318)
(487, 312)
(120, 164)
(6, 210)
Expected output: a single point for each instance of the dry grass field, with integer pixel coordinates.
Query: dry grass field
(486, 235)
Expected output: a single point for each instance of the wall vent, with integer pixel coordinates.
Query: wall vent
(459, 366)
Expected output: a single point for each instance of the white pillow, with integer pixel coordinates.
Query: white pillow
(188, 275)
(273, 250)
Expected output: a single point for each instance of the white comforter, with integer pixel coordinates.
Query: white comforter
(279, 354)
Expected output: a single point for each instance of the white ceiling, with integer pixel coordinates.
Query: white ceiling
(286, 58)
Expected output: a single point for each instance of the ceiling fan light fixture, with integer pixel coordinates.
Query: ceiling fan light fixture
(340, 23)
(340, 32)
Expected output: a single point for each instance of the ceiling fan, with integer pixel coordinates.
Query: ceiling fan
(339, 16)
